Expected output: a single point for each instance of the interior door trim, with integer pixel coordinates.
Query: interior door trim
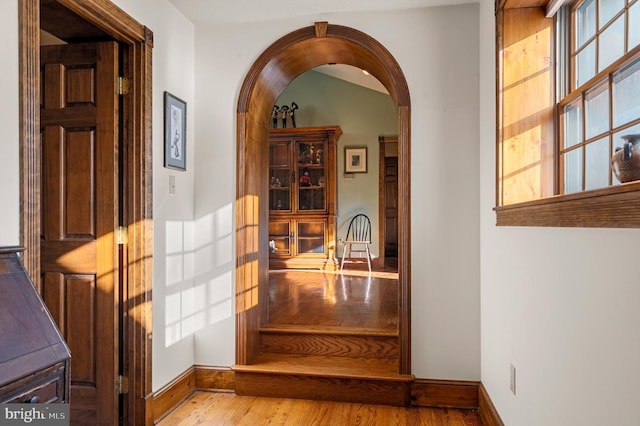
(382, 144)
(137, 40)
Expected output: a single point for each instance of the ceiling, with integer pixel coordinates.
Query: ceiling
(212, 12)
(237, 11)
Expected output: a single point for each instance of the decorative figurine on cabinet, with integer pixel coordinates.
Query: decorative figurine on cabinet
(284, 112)
(305, 179)
(274, 116)
(292, 113)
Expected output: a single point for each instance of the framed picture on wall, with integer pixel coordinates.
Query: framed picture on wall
(355, 159)
(175, 132)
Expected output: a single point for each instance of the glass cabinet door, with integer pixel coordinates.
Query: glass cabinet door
(311, 237)
(311, 176)
(280, 176)
(281, 236)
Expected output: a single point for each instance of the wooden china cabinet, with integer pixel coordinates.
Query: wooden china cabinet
(303, 197)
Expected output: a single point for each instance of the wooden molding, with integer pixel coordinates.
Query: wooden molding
(215, 378)
(30, 164)
(458, 394)
(614, 207)
(273, 70)
(321, 29)
(488, 414)
(171, 395)
(382, 193)
(445, 393)
(424, 392)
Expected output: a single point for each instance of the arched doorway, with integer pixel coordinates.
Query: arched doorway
(278, 65)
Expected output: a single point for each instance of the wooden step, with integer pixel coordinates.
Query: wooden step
(331, 378)
(336, 341)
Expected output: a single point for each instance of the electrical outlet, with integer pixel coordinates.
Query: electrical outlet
(512, 378)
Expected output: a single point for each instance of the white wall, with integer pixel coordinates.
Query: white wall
(177, 307)
(437, 50)
(194, 247)
(9, 127)
(561, 305)
(363, 115)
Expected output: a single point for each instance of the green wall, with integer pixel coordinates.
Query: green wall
(364, 115)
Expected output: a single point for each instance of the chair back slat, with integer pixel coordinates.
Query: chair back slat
(359, 228)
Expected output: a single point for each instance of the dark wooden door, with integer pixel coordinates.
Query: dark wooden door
(391, 207)
(80, 272)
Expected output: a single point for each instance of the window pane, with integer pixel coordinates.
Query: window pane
(597, 164)
(573, 123)
(573, 171)
(608, 9)
(626, 94)
(586, 64)
(585, 22)
(634, 25)
(597, 110)
(611, 44)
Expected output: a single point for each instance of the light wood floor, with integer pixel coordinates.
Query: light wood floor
(353, 300)
(212, 408)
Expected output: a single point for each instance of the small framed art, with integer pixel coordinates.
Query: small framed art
(175, 132)
(355, 159)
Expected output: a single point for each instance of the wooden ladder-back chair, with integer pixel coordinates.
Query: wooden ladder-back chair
(358, 235)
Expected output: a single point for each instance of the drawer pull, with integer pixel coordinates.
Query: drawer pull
(32, 400)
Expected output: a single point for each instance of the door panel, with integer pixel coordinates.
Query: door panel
(79, 151)
(391, 206)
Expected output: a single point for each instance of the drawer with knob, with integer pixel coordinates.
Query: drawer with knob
(43, 387)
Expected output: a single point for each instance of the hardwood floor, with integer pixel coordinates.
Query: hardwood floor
(213, 408)
(328, 300)
(325, 329)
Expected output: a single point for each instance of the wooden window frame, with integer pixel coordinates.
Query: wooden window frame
(610, 207)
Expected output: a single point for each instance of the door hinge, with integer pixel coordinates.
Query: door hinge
(123, 86)
(122, 385)
(122, 235)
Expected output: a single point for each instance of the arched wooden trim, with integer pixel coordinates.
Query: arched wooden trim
(138, 42)
(287, 58)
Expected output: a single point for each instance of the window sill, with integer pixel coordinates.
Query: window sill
(613, 207)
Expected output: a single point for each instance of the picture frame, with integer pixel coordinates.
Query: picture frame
(175, 132)
(355, 159)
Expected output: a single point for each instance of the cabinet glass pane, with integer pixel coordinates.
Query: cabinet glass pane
(310, 153)
(310, 229)
(279, 155)
(311, 183)
(311, 237)
(311, 198)
(279, 240)
(280, 199)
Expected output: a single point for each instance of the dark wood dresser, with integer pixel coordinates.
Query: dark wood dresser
(34, 358)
